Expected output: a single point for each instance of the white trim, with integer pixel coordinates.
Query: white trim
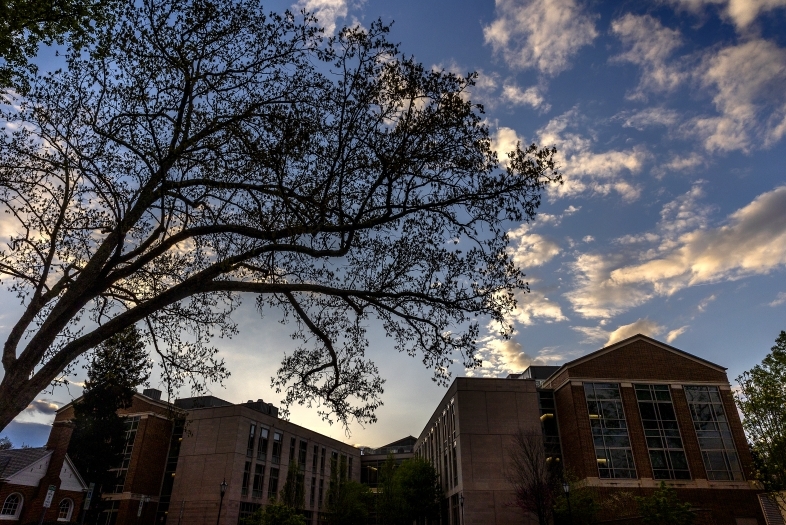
(70, 509)
(15, 517)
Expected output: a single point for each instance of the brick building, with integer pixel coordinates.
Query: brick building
(250, 448)
(135, 495)
(622, 418)
(26, 475)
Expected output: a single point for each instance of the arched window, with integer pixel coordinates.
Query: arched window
(12, 507)
(65, 509)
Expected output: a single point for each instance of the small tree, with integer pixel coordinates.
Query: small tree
(664, 508)
(762, 401)
(5, 443)
(583, 506)
(348, 501)
(117, 368)
(533, 478)
(275, 513)
(293, 494)
(408, 492)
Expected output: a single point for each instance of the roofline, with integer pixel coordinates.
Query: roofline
(630, 339)
(75, 470)
(49, 452)
(162, 404)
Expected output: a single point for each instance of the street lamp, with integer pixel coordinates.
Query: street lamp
(221, 501)
(461, 501)
(566, 488)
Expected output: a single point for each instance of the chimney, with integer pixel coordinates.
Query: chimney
(152, 393)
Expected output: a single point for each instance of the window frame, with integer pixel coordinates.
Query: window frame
(17, 510)
(662, 431)
(70, 509)
(599, 416)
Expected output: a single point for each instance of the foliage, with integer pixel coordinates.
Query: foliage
(409, 492)
(24, 24)
(214, 151)
(275, 513)
(664, 508)
(347, 501)
(535, 481)
(293, 494)
(580, 507)
(118, 366)
(762, 401)
(5, 443)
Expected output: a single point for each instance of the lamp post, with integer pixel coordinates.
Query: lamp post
(461, 501)
(566, 488)
(221, 501)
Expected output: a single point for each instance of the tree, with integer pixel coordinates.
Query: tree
(5, 443)
(118, 366)
(664, 508)
(275, 513)
(347, 501)
(534, 480)
(762, 401)
(24, 24)
(583, 506)
(213, 151)
(409, 492)
(293, 494)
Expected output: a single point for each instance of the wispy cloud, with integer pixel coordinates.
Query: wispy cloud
(541, 34)
(650, 46)
(531, 249)
(742, 13)
(779, 300)
(674, 334)
(684, 252)
(327, 11)
(532, 96)
(643, 326)
(42, 406)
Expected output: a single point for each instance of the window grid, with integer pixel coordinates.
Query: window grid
(251, 440)
(246, 476)
(131, 425)
(272, 489)
(259, 480)
(713, 432)
(64, 510)
(662, 432)
(11, 505)
(262, 450)
(277, 437)
(609, 431)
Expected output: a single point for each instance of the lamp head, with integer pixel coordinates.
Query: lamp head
(223, 487)
(566, 487)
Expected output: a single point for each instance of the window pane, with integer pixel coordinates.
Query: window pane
(609, 430)
(715, 440)
(662, 432)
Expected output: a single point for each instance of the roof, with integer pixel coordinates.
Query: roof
(403, 442)
(16, 459)
(637, 337)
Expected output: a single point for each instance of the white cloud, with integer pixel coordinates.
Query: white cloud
(674, 334)
(502, 356)
(542, 34)
(779, 300)
(649, 117)
(503, 141)
(681, 163)
(531, 249)
(642, 326)
(748, 83)
(535, 305)
(42, 406)
(587, 171)
(741, 13)
(684, 252)
(532, 96)
(649, 45)
(706, 302)
(326, 11)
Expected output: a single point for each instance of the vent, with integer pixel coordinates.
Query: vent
(152, 393)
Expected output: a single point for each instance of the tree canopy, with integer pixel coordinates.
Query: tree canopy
(214, 151)
(408, 493)
(762, 401)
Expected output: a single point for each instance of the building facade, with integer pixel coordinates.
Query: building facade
(623, 418)
(27, 474)
(251, 449)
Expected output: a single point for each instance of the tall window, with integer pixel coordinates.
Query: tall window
(292, 442)
(301, 457)
(262, 450)
(251, 441)
(662, 432)
(322, 463)
(609, 430)
(246, 476)
(315, 459)
(131, 425)
(259, 480)
(321, 491)
(455, 466)
(272, 488)
(277, 447)
(349, 468)
(313, 494)
(712, 430)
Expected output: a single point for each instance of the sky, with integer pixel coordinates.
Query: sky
(669, 118)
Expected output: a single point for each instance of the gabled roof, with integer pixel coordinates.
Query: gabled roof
(70, 465)
(637, 337)
(17, 459)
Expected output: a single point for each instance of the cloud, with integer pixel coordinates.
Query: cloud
(684, 252)
(502, 356)
(42, 406)
(326, 11)
(503, 141)
(535, 305)
(642, 326)
(779, 300)
(532, 96)
(674, 334)
(542, 34)
(681, 163)
(741, 13)
(706, 302)
(531, 249)
(649, 45)
(587, 171)
(649, 117)
(747, 81)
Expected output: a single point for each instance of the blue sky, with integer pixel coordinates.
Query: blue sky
(670, 121)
